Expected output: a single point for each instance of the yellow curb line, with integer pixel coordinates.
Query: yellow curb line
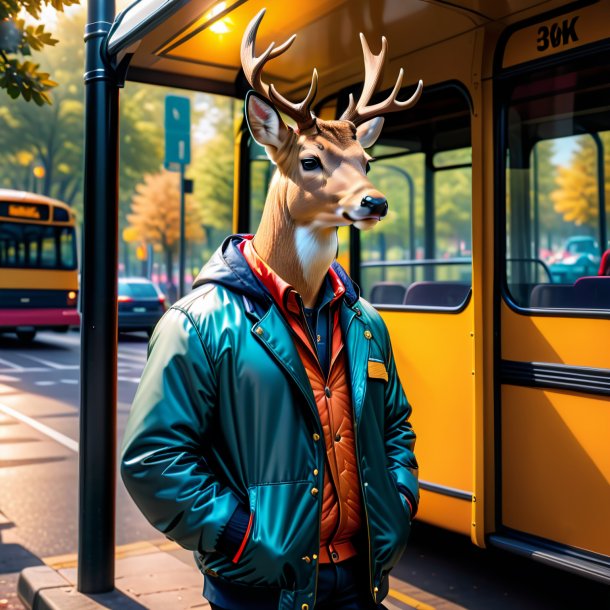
(410, 600)
(59, 562)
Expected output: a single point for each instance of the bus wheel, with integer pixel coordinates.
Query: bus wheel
(26, 336)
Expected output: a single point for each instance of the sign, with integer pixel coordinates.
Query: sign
(177, 132)
(29, 211)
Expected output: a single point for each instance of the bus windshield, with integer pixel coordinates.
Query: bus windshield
(36, 246)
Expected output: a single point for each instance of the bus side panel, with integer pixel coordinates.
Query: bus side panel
(555, 458)
(556, 466)
(434, 356)
(39, 279)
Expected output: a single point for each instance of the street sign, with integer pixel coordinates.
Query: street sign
(177, 132)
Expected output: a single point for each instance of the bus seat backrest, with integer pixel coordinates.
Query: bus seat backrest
(604, 265)
(388, 293)
(437, 294)
(593, 292)
(553, 295)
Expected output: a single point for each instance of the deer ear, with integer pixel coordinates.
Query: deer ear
(369, 132)
(264, 121)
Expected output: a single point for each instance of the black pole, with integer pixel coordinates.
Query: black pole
(97, 459)
(182, 237)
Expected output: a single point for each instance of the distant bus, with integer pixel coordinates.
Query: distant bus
(38, 265)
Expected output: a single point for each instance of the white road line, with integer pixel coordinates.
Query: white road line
(40, 369)
(49, 363)
(132, 379)
(133, 357)
(45, 383)
(9, 379)
(9, 364)
(70, 381)
(62, 439)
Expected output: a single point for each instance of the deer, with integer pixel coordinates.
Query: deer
(321, 182)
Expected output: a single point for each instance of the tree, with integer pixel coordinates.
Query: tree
(20, 76)
(577, 195)
(155, 215)
(51, 137)
(213, 166)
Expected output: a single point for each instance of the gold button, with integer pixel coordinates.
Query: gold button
(306, 559)
(315, 471)
(259, 330)
(368, 334)
(314, 491)
(316, 436)
(305, 607)
(314, 556)
(376, 589)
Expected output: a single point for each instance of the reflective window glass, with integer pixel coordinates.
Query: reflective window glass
(558, 190)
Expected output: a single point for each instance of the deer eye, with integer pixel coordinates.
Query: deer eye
(310, 163)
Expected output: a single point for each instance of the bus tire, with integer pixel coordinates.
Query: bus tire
(26, 336)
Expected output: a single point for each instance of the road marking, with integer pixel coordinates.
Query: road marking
(10, 364)
(130, 379)
(49, 363)
(70, 381)
(411, 601)
(40, 369)
(9, 379)
(133, 358)
(62, 439)
(44, 383)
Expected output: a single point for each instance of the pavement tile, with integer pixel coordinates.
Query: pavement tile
(176, 600)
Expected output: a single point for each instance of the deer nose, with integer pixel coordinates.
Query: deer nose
(377, 205)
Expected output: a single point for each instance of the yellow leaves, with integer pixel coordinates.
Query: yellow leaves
(155, 217)
(577, 195)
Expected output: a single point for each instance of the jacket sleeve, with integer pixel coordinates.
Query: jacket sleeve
(399, 436)
(162, 463)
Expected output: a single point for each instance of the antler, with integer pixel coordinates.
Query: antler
(373, 68)
(253, 67)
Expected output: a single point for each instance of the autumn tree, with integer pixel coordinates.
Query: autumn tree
(213, 166)
(577, 195)
(155, 216)
(18, 74)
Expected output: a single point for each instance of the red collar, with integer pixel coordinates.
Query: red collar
(282, 293)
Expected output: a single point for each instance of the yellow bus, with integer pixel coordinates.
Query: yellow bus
(490, 270)
(38, 265)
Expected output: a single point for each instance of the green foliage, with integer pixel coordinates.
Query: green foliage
(18, 75)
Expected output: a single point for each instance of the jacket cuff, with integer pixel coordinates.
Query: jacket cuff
(409, 498)
(234, 536)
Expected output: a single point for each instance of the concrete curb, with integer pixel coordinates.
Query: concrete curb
(33, 581)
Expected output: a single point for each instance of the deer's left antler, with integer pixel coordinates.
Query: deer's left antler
(253, 68)
(360, 112)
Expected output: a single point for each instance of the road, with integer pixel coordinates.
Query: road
(39, 408)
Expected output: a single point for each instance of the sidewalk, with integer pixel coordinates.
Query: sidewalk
(149, 575)
(153, 575)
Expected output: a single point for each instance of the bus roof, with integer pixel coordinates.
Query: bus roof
(195, 45)
(26, 197)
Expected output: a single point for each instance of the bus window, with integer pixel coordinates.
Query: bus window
(30, 246)
(420, 254)
(558, 190)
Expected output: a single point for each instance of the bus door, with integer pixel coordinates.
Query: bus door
(553, 416)
(415, 267)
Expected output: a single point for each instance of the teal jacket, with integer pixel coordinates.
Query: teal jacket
(225, 419)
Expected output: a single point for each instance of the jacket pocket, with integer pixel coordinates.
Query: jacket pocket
(284, 529)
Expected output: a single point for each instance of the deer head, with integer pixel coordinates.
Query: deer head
(321, 180)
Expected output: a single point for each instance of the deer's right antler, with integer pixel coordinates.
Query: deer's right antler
(360, 112)
(253, 68)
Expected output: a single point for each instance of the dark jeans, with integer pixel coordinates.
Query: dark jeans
(341, 586)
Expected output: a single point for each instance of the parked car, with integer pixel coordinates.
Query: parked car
(579, 257)
(141, 304)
